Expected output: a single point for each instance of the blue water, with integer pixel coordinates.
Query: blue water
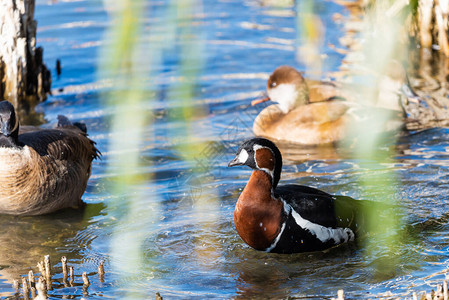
(184, 220)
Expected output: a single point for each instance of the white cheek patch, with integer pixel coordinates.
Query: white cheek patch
(243, 156)
(285, 94)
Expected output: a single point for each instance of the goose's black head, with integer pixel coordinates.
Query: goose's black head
(260, 154)
(9, 125)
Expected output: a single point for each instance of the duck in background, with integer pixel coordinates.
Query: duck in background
(42, 170)
(315, 112)
(289, 218)
(308, 113)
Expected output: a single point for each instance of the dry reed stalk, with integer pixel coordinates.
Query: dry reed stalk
(425, 21)
(441, 20)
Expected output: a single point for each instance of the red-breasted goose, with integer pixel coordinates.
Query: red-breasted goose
(290, 218)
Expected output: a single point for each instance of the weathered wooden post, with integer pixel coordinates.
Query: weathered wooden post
(24, 79)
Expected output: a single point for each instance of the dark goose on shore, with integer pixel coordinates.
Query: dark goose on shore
(42, 170)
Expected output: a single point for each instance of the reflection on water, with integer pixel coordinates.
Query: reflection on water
(24, 241)
(192, 248)
(429, 70)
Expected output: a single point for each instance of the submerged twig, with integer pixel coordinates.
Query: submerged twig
(441, 293)
(340, 295)
(86, 279)
(37, 288)
(32, 284)
(25, 290)
(71, 276)
(86, 283)
(40, 266)
(47, 266)
(15, 284)
(101, 271)
(31, 279)
(41, 290)
(64, 271)
(445, 291)
(33, 292)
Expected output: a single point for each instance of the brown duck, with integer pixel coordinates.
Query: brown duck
(308, 112)
(42, 170)
(311, 112)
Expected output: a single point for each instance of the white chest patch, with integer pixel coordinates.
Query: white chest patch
(14, 152)
(284, 94)
(14, 158)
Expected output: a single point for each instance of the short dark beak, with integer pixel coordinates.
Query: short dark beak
(257, 101)
(234, 162)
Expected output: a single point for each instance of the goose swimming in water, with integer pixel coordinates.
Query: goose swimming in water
(42, 170)
(289, 218)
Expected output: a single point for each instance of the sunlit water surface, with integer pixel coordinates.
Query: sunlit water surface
(192, 249)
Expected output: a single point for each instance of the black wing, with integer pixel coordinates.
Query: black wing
(361, 215)
(312, 204)
(61, 143)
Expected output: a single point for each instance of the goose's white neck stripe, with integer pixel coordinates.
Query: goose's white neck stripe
(257, 147)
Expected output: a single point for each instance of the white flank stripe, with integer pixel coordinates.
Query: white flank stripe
(324, 234)
(276, 240)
